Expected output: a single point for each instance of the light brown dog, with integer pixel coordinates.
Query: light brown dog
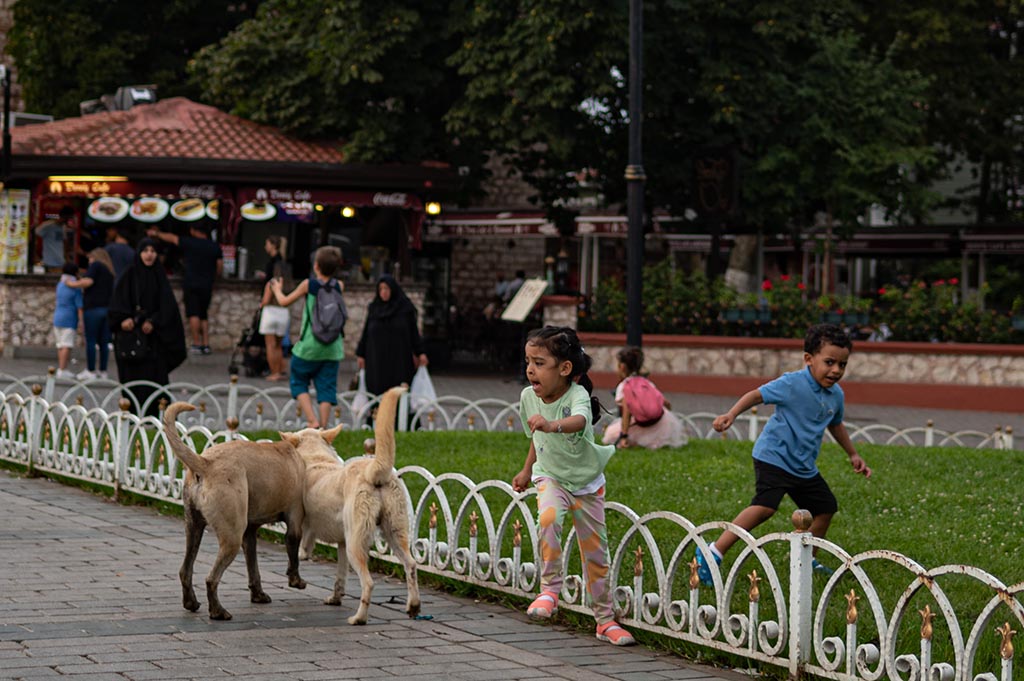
(235, 487)
(346, 502)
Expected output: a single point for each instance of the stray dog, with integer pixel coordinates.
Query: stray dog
(345, 502)
(236, 487)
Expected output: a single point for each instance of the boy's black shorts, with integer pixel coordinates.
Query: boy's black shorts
(812, 494)
(197, 302)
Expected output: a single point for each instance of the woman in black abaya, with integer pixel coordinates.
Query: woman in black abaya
(143, 298)
(391, 347)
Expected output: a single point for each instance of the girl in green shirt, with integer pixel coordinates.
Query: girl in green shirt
(567, 466)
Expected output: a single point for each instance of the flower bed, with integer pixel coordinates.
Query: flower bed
(677, 303)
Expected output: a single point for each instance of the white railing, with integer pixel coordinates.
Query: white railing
(247, 408)
(880, 615)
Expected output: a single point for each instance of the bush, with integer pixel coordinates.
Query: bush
(678, 303)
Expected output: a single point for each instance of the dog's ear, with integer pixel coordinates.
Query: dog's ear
(290, 438)
(329, 435)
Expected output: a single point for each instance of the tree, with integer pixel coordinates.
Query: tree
(368, 73)
(68, 51)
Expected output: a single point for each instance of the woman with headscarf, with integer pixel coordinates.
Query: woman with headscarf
(143, 299)
(391, 347)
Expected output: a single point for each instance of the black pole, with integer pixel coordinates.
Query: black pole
(6, 169)
(635, 179)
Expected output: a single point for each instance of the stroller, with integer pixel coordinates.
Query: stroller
(252, 350)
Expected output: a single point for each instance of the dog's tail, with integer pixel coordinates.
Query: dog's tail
(384, 434)
(192, 461)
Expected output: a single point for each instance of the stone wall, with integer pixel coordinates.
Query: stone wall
(915, 363)
(26, 311)
(477, 260)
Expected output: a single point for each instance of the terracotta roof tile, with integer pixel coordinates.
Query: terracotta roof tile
(169, 128)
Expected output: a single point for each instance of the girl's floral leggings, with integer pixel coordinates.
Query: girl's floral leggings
(553, 502)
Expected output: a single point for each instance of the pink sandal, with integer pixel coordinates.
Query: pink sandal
(544, 606)
(614, 634)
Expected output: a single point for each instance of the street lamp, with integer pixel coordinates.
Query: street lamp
(635, 179)
(5, 161)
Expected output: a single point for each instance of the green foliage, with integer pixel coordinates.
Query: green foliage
(68, 51)
(675, 303)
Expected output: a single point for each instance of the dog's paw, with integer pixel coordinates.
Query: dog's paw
(260, 597)
(354, 620)
(191, 606)
(413, 609)
(332, 600)
(296, 582)
(221, 614)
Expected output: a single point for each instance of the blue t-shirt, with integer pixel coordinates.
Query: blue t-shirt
(791, 439)
(69, 300)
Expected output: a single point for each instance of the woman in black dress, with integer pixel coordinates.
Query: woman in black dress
(143, 298)
(391, 347)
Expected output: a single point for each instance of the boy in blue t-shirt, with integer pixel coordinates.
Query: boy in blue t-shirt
(807, 402)
(67, 315)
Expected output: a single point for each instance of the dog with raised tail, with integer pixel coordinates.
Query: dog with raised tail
(346, 502)
(235, 487)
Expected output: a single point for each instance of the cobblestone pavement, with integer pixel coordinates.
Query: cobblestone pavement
(90, 588)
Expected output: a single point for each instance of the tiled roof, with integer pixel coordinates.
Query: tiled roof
(170, 128)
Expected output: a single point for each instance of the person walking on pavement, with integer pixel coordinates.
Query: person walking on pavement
(67, 316)
(390, 348)
(98, 286)
(54, 234)
(143, 298)
(204, 264)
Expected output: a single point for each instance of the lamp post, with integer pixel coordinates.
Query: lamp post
(5, 161)
(635, 179)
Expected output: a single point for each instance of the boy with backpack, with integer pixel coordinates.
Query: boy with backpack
(646, 420)
(320, 348)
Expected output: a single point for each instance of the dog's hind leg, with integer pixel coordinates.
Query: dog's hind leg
(256, 592)
(340, 574)
(195, 524)
(398, 539)
(292, 539)
(229, 545)
(359, 558)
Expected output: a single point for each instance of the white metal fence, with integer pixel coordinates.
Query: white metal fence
(880, 615)
(248, 408)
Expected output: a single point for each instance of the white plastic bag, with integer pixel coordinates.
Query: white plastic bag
(362, 397)
(421, 392)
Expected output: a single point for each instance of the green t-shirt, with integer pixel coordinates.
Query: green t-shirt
(572, 459)
(308, 347)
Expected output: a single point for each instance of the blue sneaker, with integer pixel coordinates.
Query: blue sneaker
(823, 569)
(703, 571)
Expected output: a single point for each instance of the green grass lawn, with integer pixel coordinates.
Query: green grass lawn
(936, 506)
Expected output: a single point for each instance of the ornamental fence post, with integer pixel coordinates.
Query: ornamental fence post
(801, 594)
(121, 447)
(35, 431)
(403, 411)
(233, 398)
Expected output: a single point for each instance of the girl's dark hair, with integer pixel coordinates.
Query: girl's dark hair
(564, 345)
(70, 268)
(632, 357)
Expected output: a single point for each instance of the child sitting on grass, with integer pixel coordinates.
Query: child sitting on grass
(807, 402)
(647, 420)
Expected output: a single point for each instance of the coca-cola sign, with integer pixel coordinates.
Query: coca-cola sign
(392, 200)
(199, 191)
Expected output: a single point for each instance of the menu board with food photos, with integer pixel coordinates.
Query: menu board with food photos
(14, 205)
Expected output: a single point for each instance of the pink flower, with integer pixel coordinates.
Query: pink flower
(800, 286)
(881, 291)
(954, 281)
(766, 285)
(940, 282)
(784, 277)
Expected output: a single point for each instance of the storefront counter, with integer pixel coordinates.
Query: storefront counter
(27, 301)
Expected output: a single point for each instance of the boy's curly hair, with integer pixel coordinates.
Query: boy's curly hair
(820, 335)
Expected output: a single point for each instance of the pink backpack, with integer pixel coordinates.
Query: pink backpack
(645, 402)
